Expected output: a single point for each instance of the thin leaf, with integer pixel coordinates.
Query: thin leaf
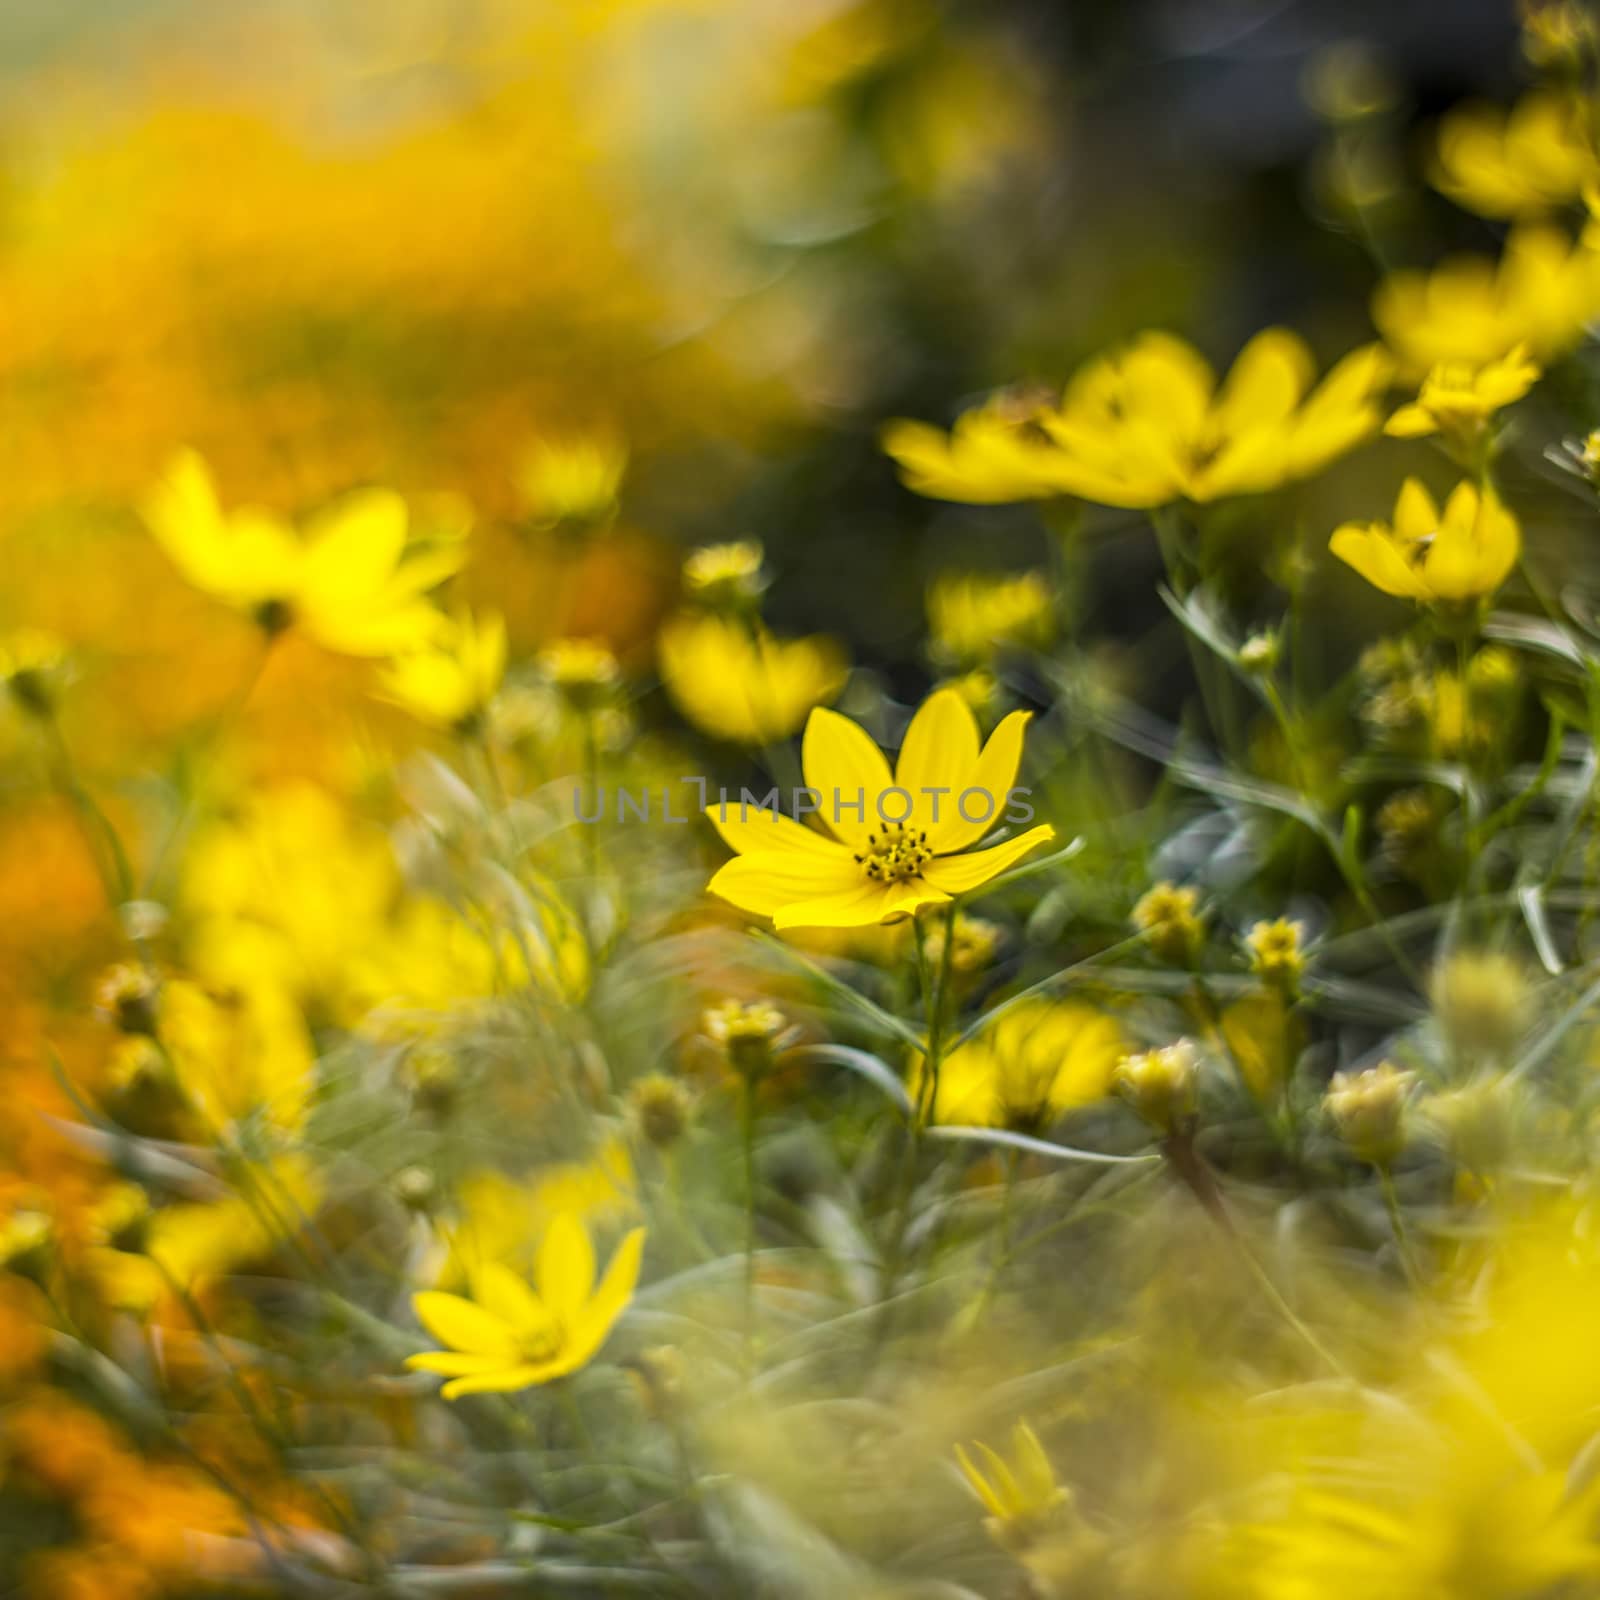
(1037, 1147)
(862, 1062)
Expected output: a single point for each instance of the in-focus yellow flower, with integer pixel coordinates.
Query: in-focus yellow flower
(970, 616)
(1451, 557)
(351, 582)
(895, 843)
(1148, 424)
(1534, 158)
(510, 1336)
(450, 680)
(1458, 398)
(1542, 293)
(572, 483)
(737, 682)
(1021, 1494)
(1041, 1059)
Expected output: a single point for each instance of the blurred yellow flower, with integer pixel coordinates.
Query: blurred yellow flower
(1148, 424)
(737, 682)
(970, 616)
(1540, 294)
(238, 1053)
(1169, 917)
(1020, 1494)
(32, 664)
(1535, 157)
(1041, 1059)
(894, 843)
(450, 680)
(351, 582)
(510, 1336)
(274, 1201)
(1277, 950)
(1367, 1110)
(572, 483)
(1458, 398)
(1450, 557)
(725, 576)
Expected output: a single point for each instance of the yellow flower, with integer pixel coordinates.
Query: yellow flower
(1277, 951)
(1162, 1085)
(504, 1219)
(971, 616)
(510, 1336)
(1020, 1494)
(351, 582)
(32, 665)
(1149, 424)
(738, 683)
(195, 1241)
(1460, 554)
(238, 1053)
(572, 483)
(1458, 397)
(1534, 158)
(1042, 1059)
(450, 680)
(748, 1034)
(1168, 915)
(727, 576)
(1541, 293)
(584, 670)
(894, 843)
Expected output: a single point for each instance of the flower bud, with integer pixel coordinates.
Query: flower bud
(1162, 1085)
(1168, 917)
(1367, 1110)
(660, 1109)
(1481, 1000)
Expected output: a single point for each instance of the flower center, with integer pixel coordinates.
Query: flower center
(540, 1341)
(895, 854)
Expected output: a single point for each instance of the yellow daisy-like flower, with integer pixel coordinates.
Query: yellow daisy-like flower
(737, 682)
(1541, 293)
(511, 1336)
(1040, 1060)
(1533, 158)
(895, 842)
(450, 681)
(351, 582)
(1149, 424)
(1458, 398)
(972, 615)
(1458, 555)
(572, 483)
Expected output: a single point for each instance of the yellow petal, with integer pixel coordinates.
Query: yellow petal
(1372, 551)
(454, 1364)
(991, 778)
(765, 882)
(841, 763)
(610, 1299)
(500, 1292)
(860, 906)
(751, 830)
(1415, 514)
(1266, 382)
(959, 874)
(1411, 422)
(353, 548)
(980, 1485)
(462, 1325)
(566, 1268)
(521, 1376)
(940, 751)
